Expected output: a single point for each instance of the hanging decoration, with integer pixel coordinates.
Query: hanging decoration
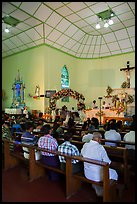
(65, 93)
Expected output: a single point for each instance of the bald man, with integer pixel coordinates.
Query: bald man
(94, 150)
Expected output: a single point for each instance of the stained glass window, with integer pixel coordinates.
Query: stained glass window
(65, 81)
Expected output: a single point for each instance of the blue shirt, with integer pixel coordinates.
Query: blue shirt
(29, 138)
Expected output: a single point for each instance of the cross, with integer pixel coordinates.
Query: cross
(127, 70)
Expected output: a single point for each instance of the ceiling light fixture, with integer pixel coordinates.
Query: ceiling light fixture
(6, 30)
(110, 22)
(9, 21)
(106, 24)
(97, 26)
(106, 17)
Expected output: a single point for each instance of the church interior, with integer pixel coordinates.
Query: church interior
(61, 59)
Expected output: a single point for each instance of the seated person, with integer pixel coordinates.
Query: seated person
(57, 130)
(119, 125)
(16, 127)
(85, 126)
(112, 134)
(70, 149)
(71, 124)
(40, 124)
(87, 137)
(130, 137)
(95, 122)
(6, 134)
(29, 139)
(49, 142)
(94, 150)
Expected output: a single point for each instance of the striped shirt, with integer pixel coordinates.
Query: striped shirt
(6, 134)
(47, 142)
(70, 149)
(29, 138)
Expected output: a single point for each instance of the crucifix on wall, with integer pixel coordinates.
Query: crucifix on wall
(127, 70)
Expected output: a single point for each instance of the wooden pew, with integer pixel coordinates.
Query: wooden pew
(109, 186)
(119, 143)
(116, 154)
(119, 155)
(37, 169)
(12, 159)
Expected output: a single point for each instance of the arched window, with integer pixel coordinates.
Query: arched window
(65, 81)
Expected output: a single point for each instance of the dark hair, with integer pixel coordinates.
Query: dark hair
(45, 129)
(112, 126)
(132, 127)
(67, 136)
(28, 125)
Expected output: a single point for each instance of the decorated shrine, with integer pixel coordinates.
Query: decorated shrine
(18, 89)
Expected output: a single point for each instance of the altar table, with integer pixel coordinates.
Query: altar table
(106, 113)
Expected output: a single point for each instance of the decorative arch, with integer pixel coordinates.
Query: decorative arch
(67, 92)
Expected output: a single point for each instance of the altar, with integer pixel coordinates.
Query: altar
(104, 113)
(13, 111)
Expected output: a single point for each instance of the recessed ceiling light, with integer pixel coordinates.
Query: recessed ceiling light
(106, 25)
(110, 22)
(97, 26)
(6, 30)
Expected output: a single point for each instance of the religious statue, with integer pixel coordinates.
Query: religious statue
(18, 93)
(126, 84)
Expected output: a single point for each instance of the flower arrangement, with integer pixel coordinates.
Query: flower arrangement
(120, 110)
(100, 113)
(130, 99)
(64, 93)
(125, 85)
(80, 106)
(109, 91)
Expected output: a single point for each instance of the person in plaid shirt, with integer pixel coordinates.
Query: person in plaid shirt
(49, 142)
(70, 149)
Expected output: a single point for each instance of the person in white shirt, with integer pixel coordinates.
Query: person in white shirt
(94, 150)
(112, 134)
(130, 137)
(87, 137)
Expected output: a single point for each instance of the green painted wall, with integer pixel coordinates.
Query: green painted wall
(42, 66)
(31, 66)
(93, 76)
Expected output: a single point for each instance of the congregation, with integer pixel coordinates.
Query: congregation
(65, 127)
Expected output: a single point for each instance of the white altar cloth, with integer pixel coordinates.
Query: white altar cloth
(107, 113)
(13, 110)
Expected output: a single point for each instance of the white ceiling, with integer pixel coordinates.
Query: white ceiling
(69, 27)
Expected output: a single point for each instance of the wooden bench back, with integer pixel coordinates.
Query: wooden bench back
(35, 169)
